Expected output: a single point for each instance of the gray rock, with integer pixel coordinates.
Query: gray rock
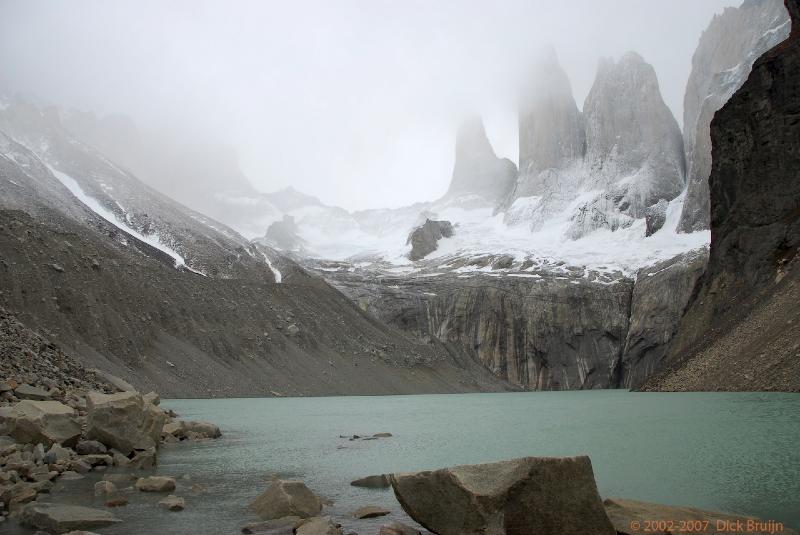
(655, 216)
(57, 453)
(64, 518)
(477, 170)
(155, 484)
(397, 528)
(286, 498)
(123, 421)
(173, 503)
(370, 511)
(31, 392)
(319, 526)
(152, 397)
(88, 447)
(373, 482)
(288, 524)
(528, 495)
(47, 422)
(425, 238)
(720, 65)
(182, 429)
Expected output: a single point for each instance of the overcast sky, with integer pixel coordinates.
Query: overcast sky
(354, 101)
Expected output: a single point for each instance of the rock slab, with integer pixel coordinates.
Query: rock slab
(64, 518)
(515, 497)
(286, 498)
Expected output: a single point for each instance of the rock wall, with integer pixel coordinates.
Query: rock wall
(741, 329)
(727, 49)
(659, 298)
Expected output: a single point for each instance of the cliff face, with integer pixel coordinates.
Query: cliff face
(477, 170)
(742, 327)
(726, 51)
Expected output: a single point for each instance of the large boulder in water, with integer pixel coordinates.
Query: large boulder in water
(286, 498)
(425, 239)
(55, 518)
(47, 422)
(518, 496)
(124, 421)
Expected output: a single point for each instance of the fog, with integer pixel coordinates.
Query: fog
(356, 102)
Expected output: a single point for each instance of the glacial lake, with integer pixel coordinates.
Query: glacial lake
(736, 452)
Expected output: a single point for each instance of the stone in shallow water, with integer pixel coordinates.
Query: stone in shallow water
(319, 526)
(155, 484)
(515, 497)
(373, 482)
(173, 503)
(277, 526)
(370, 511)
(631, 517)
(286, 498)
(64, 518)
(397, 528)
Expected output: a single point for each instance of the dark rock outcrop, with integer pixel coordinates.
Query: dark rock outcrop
(283, 235)
(477, 170)
(425, 239)
(655, 217)
(741, 328)
(515, 497)
(727, 49)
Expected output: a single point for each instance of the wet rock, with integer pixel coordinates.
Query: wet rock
(173, 503)
(47, 422)
(286, 498)
(425, 239)
(155, 484)
(370, 511)
(102, 488)
(31, 392)
(625, 513)
(117, 501)
(319, 526)
(123, 421)
(382, 435)
(397, 528)
(143, 459)
(64, 518)
(287, 523)
(183, 430)
(527, 495)
(373, 482)
(88, 447)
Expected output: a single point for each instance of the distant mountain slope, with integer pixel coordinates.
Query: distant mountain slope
(134, 283)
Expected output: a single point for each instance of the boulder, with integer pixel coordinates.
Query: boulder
(370, 511)
(117, 501)
(518, 496)
(626, 513)
(47, 422)
(143, 459)
(181, 430)
(373, 482)
(58, 519)
(655, 216)
(155, 484)
(31, 392)
(88, 447)
(57, 453)
(286, 498)
(425, 238)
(123, 421)
(152, 397)
(276, 527)
(319, 526)
(173, 503)
(397, 528)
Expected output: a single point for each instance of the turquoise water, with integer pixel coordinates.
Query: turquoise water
(736, 452)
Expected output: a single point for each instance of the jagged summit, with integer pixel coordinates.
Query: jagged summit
(477, 170)
(551, 133)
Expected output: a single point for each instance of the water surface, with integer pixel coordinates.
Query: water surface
(736, 452)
